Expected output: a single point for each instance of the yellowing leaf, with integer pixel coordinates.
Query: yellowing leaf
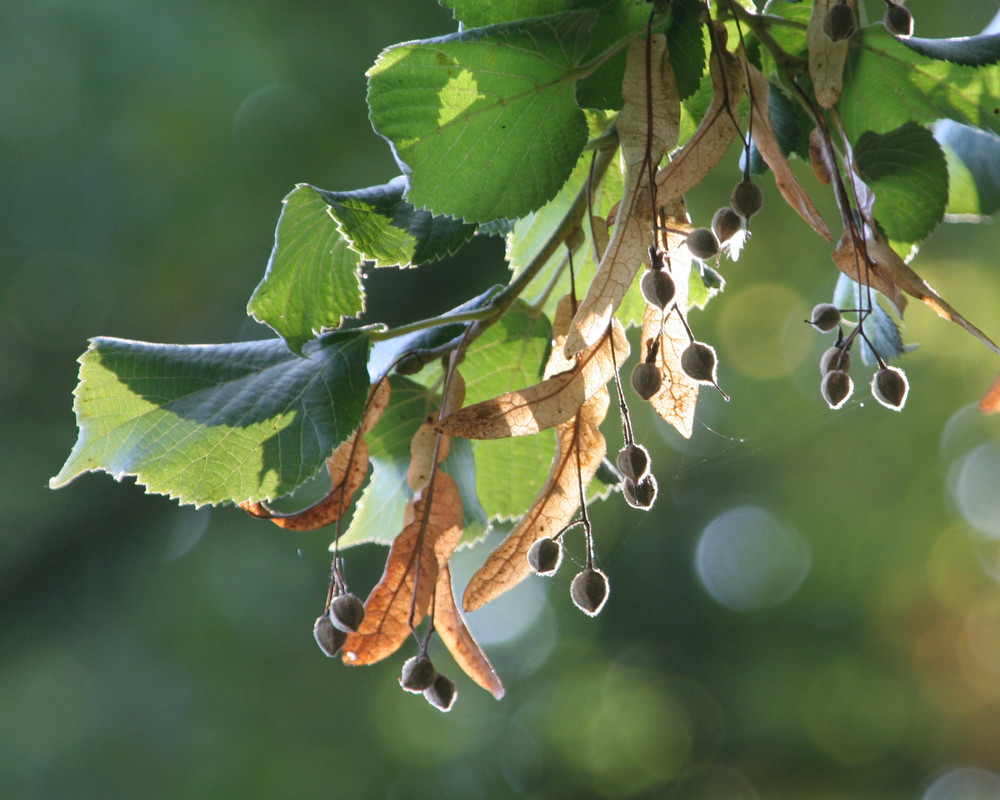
(690, 165)
(450, 626)
(826, 57)
(675, 401)
(579, 443)
(552, 401)
(633, 231)
(348, 468)
(767, 144)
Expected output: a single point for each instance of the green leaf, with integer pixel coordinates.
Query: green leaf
(532, 231)
(388, 230)
(907, 170)
(216, 423)
(686, 45)
(887, 83)
(790, 128)
(502, 96)
(313, 279)
(509, 355)
(973, 51)
(378, 516)
(978, 153)
(479, 13)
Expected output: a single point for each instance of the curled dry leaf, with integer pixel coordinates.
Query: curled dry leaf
(559, 498)
(631, 237)
(767, 144)
(450, 626)
(675, 400)
(432, 531)
(690, 165)
(826, 57)
(348, 468)
(568, 383)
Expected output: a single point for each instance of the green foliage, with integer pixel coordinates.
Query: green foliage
(534, 122)
(216, 423)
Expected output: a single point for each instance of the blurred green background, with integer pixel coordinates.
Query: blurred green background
(811, 610)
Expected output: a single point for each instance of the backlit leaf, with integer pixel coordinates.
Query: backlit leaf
(348, 468)
(890, 84)
(449, 625)
(216, 423)
(545, 404)
(826, 57)
(770, 150)
(386, 229)
(313, 279)
(579, 453)
(503, 96)
(633, 230)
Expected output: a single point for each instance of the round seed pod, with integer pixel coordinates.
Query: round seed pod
(633, 461)
(839, 23)
(746, 199)
(640, 495)
(418, 674)
(441, 694)
(329, 639)
(890, 387)
(836, 388)
(702, 243)
(825, 317)
(699, 362)
(835, 358)
(545, 556)
(657, 287)
(589, 591)
(347, 612)
(726, 223)
(898, 20)
(646, 379)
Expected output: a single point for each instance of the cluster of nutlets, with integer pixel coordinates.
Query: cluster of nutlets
(589, 589)
(345, 615)
(839, 23)
(889, 384)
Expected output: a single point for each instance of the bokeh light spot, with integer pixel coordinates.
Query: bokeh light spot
(761, 331)
(974, 483)
(964, 783)
(747, 560)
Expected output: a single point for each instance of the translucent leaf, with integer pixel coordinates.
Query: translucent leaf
(508, 355)
(633, 232)
(906, 169)
(313, 279)
(386, 229)
(378, 516)
(890, 84)
(543, 405)
(770, 149)
(449, 625)
(826, 57)
(348, 468)
(216, 423)
(411, 572)
(503, 96)
(579, 453)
